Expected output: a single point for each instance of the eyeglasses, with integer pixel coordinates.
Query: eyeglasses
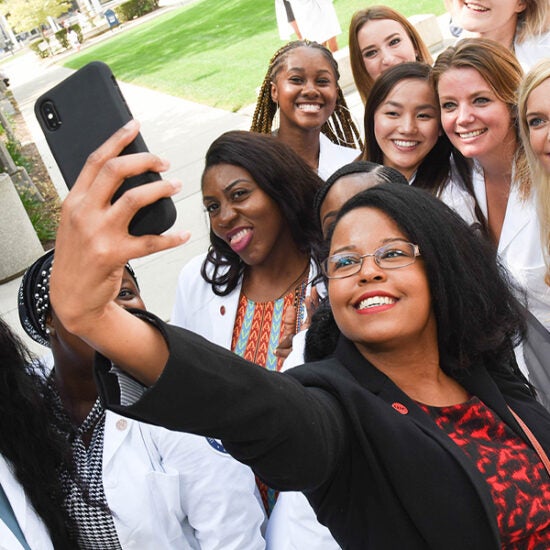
(391, 256)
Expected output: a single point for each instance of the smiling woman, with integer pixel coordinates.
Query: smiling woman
(258, 271)
(522, 26)
(534, 118)
(379, 38)
(477, 82)
(403, 131)
(302, 84)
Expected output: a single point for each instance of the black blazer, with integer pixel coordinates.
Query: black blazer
(376, 469)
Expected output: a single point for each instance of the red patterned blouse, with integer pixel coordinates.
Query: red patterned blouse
(517, 478)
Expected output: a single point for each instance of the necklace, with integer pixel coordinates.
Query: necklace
(296, 283)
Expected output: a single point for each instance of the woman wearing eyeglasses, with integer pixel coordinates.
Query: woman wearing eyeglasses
(415, 433)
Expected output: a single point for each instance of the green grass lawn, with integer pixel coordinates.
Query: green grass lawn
(213, 52)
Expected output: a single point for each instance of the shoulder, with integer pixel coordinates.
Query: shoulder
(532, 50)
(333, 156)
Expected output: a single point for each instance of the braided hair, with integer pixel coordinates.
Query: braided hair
(339, 128)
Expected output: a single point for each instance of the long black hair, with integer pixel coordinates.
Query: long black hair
(478, 317)
(29, 440)
(282, 175)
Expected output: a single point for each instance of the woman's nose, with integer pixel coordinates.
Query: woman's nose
(370, 270)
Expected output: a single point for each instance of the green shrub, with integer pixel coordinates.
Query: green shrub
(135, 8)
(62, 36)
(34, 46)
(44, 224)
(14, 149)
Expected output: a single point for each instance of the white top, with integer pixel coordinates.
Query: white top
(174, 490)
(532, 50)
(316, 19)
(333, 156)
(30, 523)
(520, 247)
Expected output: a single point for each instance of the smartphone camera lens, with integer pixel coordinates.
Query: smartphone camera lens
(50, 115)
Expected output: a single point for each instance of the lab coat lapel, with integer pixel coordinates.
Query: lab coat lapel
(117, 429)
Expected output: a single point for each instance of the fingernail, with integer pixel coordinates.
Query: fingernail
(130, 124)
(176, 184)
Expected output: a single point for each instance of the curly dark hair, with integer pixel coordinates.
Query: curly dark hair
(479, 319)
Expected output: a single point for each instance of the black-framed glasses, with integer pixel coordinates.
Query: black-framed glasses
(390, 256)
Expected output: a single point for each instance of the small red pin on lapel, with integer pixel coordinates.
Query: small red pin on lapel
(400, 408)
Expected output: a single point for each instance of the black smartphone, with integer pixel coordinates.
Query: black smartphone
(77, 116)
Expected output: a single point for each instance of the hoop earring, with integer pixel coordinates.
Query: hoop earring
(276, 121)
(335, 125)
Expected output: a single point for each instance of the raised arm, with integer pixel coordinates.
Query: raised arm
(93, 245)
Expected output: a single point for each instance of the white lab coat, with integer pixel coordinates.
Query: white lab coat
(176, 490)
(316, 19)
(520, 247)
(333, 156)
(198, 309)
(30, 523)
(532, 50)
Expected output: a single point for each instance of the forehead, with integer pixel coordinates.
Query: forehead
(307, 58)
(346, 187)
(458, 78)
(379, 29)
(412, 91)
(365, 228)
(217, 177)
(539, 97)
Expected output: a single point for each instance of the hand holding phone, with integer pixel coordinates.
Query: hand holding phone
(80, 114)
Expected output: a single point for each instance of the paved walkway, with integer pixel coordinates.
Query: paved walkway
(175, 128)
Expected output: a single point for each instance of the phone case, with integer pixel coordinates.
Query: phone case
(77, 116)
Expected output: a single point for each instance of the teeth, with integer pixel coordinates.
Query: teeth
(238, 236)
(472, 134)
(403, 143)
(476, 7)
(309, 107)
(374, 301)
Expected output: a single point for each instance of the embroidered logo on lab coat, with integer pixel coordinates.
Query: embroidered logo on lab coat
(216, 444)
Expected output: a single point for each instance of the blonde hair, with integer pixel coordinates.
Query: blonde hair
(540, 177)
(534, 20)
(501, 70)
(339, 128)
(363, 81)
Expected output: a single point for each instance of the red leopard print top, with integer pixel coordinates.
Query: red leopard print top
(519, 483)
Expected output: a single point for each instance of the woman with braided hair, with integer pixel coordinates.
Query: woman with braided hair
(302, 84)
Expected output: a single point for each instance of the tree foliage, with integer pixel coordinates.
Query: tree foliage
(25, 15)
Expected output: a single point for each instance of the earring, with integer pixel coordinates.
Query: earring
(276, 122)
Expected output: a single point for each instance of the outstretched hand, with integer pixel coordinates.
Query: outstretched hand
(93, 243)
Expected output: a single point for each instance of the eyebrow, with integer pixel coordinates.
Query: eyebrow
(389, 37)
(302, 70)
(486, 91)
(382, 243)
(541, 114)
(417, 107)
(228, 187)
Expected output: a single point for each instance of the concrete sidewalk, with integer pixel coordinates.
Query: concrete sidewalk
(174, 128)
